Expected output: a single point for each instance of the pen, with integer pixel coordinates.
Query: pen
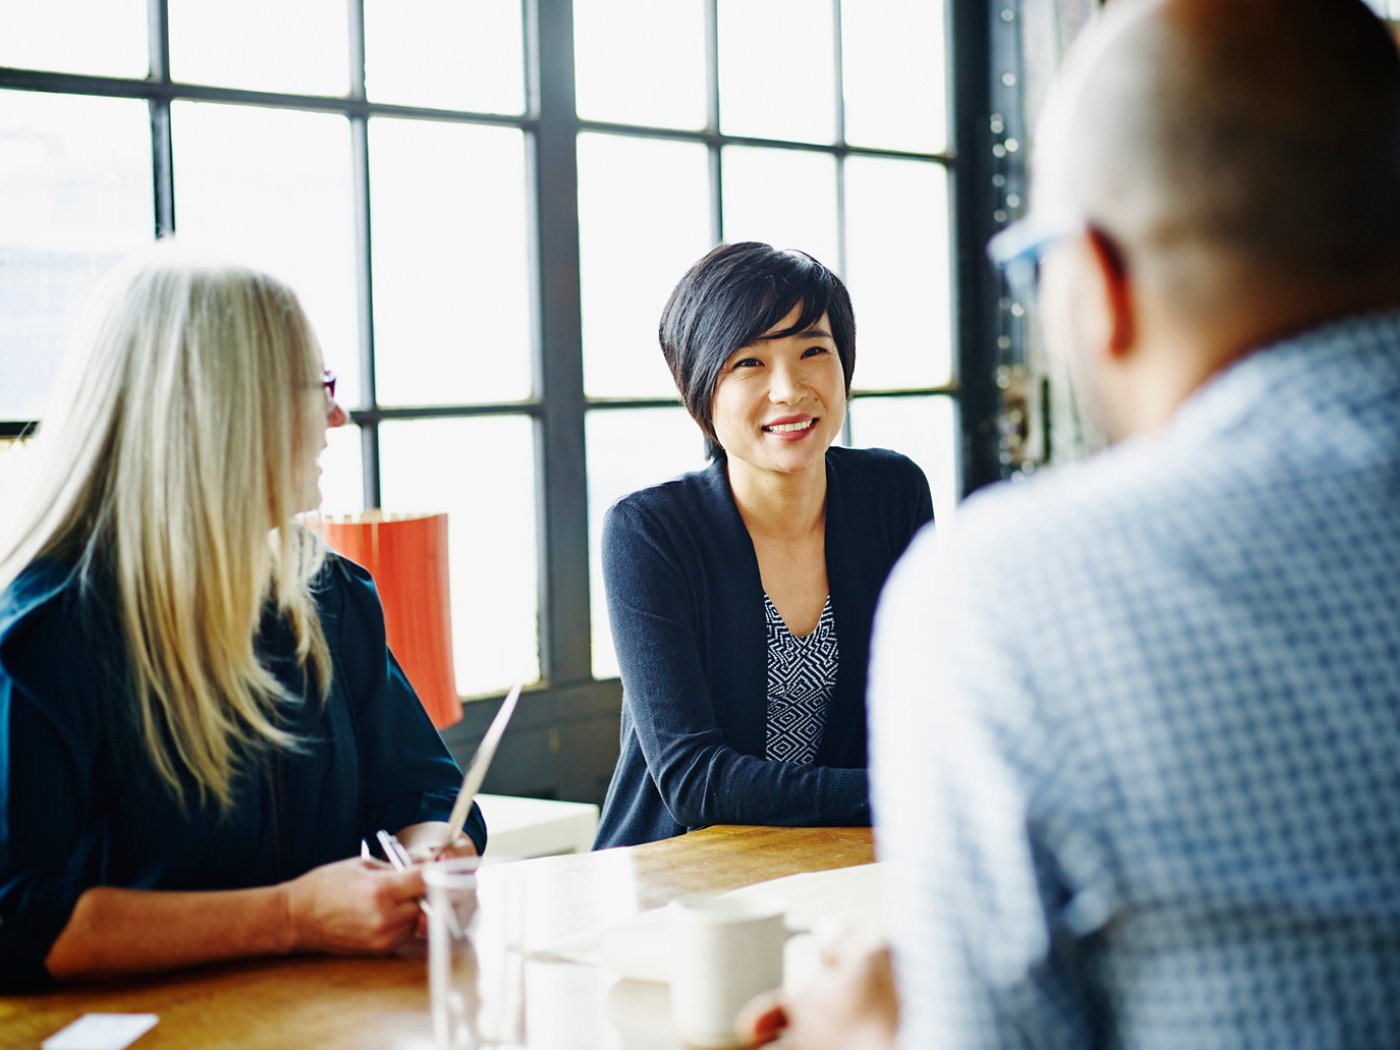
(396, 855)
(393, 849)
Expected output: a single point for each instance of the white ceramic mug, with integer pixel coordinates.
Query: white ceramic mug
(725, 950)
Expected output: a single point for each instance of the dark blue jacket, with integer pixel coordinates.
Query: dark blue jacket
(685, 601)
(80, 805)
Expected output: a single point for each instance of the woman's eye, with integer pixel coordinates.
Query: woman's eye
(747, 362)
(816, 351)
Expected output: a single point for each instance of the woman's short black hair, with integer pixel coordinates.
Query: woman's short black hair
(735, 294)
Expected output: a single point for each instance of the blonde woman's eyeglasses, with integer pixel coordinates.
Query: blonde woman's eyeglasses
(328, 388)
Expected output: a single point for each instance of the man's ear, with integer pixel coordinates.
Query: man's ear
(1109, 270)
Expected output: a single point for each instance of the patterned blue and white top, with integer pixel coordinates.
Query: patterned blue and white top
(801, 683)
(1136, 729)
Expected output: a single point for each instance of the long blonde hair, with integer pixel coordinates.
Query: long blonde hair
(171, 463)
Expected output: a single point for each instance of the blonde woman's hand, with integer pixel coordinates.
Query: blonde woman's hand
(424, 842)
(354, 907)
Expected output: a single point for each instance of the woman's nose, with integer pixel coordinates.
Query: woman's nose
(336, 416)
(785, 386)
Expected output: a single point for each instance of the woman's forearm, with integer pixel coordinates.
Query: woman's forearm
(349, 907)
(119, 931)
(746, 789)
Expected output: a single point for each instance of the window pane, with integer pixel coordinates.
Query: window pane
(263, 45)
(273, 187)
(898, 271)
(926, 430)
(445, 53)
(342, 478)
(777, 69)
(629, 449)
(451, 263)
(481, 472)
(41, 35)
(782, 196)
(621, 45)
(17, 469)
(894, 58)
(644, 218)
(75, 196)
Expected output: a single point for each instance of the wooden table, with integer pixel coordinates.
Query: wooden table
(363, 1003)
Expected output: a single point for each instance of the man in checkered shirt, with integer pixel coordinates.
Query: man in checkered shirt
(1136, 723)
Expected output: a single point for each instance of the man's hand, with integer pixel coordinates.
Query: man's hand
(850, 1005)
(353, 907)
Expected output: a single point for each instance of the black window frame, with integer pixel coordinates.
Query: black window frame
(564, 740)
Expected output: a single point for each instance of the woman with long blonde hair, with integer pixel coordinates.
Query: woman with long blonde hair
(199, 718)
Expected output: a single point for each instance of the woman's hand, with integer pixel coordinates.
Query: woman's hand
(424, 842)
(354, 906)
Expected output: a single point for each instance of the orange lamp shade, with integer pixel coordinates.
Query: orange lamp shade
(407, 556)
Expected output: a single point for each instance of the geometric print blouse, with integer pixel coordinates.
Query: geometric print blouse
(801, 683)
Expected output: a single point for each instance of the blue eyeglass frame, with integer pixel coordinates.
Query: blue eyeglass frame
(1018, 249)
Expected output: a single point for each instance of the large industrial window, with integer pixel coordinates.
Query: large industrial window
(483, 206)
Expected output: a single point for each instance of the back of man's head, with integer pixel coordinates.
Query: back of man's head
(1212, 137)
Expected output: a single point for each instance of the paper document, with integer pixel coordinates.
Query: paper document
(101, 1032)
(638, 947)
(480, 763)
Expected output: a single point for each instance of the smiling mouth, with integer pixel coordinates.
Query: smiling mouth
(790, 428)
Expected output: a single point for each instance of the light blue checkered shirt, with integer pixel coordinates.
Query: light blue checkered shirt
(1136, 730)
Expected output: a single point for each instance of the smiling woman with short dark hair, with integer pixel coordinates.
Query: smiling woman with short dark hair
(741, 596)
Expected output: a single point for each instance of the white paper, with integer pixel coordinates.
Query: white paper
(852, 898)
(101, 1032)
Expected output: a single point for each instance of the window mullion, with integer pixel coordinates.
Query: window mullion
(162, 155)
(712, 119)
(976, 288)
(364, 271)
(561, 460)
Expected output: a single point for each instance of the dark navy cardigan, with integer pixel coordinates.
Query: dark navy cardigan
(685, 601)
(80, 805)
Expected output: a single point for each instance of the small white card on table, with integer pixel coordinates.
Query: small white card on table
(101, 1032)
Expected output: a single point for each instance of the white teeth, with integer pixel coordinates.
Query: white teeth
(789, 428)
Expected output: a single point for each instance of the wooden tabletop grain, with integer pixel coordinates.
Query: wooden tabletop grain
(363, 1003)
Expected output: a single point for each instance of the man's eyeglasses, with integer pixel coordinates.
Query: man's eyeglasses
(1018, 250)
